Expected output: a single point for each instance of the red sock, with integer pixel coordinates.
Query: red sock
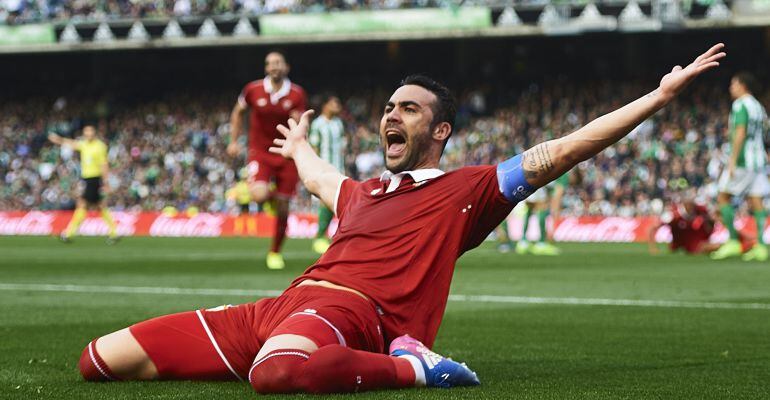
(330, 369)
(280, 232)
(92, 367)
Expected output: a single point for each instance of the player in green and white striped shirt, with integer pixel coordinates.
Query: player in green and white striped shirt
(327, 136)
(745, 172)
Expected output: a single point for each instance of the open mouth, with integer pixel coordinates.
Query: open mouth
(396, 142)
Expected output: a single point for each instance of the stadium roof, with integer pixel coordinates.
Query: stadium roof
(381, 25)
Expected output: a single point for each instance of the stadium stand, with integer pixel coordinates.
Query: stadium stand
(23, 11)
(171, 152)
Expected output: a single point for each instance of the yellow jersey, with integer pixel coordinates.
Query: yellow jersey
(93, 156)
(240, 192)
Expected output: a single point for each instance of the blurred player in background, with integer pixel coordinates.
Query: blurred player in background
(691, 226)
(327, 136)
(94, 167)
(744, 174)
(241, 195)
(272, 101)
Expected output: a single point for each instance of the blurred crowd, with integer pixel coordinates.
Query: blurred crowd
(21, 11)
(171, 152)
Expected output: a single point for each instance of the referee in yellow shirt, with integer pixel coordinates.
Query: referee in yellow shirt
(241, 194)
(93, 168)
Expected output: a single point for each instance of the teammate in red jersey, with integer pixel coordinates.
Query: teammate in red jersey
(691, 227)
(386, 275)
(272, 101)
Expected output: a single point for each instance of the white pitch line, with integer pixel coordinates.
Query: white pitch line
(573, 301)
(579, 301)
(44, 287)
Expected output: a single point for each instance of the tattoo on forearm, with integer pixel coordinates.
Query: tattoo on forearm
(537, 161)
(653, 93)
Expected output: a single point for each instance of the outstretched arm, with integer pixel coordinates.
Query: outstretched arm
(236, 124)
(318, 176)
(548, 160)
(62, 141)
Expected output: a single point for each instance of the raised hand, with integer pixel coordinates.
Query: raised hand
(233, 149)
(676, 80)
(295, 135)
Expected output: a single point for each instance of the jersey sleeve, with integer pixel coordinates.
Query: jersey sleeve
(487, 205)
(301, 104)
(344, 196)
(741, 114)
(243, 97)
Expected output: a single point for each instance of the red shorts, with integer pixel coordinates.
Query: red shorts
(284, 172)
(221, 343)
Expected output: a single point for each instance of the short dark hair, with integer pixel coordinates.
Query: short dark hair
(327, 97)
(749, 80)
(445, 109)
(282, 52)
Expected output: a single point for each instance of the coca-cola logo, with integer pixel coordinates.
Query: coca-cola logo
(125, 225)
(201, 225)
(301, 227)
(31, 223)
(610, 229)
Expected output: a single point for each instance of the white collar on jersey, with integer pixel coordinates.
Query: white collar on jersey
(418, 175)
(282, 92)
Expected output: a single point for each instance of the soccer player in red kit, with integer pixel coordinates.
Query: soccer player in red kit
(272, 101)
(691, 227)
(385, 278)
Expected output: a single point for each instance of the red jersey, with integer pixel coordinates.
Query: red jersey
(689, 231)
(400, 248)
(267, 111)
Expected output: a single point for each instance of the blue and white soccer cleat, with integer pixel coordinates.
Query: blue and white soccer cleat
(439, 371)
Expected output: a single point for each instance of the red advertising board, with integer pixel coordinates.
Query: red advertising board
(153, 224)
(570, 229)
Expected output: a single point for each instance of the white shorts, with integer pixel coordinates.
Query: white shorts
(744, 182)
(539, 196)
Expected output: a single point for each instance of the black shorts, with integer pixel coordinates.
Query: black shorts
(244, 208)
(93, 191)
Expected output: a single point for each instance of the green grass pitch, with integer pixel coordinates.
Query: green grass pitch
(710, 341)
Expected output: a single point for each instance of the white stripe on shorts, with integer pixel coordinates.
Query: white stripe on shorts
(340, 338)
(216, 346)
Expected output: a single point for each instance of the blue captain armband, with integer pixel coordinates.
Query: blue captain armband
(510, 178)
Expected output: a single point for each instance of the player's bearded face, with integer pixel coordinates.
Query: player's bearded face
(276, 66)
(405, 128)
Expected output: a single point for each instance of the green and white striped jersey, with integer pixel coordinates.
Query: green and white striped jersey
(328, 137)
(748, 112)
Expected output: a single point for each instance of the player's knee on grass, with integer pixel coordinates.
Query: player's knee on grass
(292, 371)
(278, 372)
(330, 369)
(117, 356)
(92, 366)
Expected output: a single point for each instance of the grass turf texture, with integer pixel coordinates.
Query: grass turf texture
(522, 351)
